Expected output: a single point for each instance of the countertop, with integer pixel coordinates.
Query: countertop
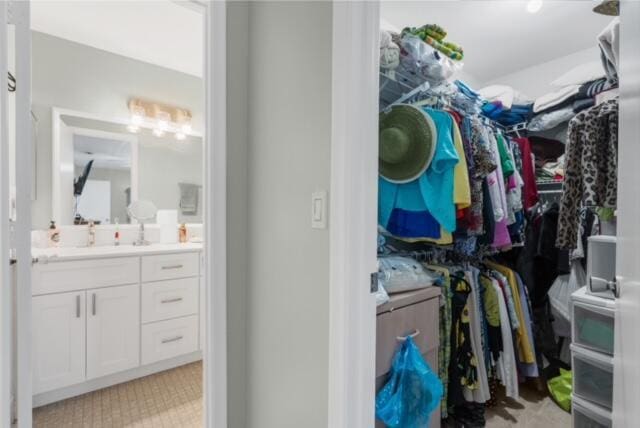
(46, 255)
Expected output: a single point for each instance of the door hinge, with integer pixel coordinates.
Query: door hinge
(373, 287)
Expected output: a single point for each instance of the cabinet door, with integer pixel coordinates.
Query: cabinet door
(113, 330)
(58, 340)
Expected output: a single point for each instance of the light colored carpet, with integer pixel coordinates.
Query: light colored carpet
(163, 400)
(535, 409)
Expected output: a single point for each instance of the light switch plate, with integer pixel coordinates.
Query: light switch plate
(319, 210)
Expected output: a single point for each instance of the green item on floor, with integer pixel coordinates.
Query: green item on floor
(560, 389)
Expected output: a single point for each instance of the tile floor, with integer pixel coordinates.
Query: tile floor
(163, 400)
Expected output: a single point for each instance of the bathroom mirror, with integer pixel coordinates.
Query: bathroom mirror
(142, 210)
(100, 168)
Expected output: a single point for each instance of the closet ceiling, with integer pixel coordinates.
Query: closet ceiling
(500, 37)
(160, 32)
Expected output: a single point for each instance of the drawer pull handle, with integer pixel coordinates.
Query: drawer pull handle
(172, 339)
(172, 267)
(412, 335)
(176, 299)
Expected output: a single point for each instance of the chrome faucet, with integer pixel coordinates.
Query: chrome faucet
(92, 234)
(141, 240)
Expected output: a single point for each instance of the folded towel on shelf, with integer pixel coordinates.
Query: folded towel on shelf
(189, 198)
(555, 98)
(554, 117)
(505, 94)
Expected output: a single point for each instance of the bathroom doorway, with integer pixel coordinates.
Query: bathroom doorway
(121, 112)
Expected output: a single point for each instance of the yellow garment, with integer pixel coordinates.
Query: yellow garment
(491, 305)
(461, 187)
(523, 341)
(445, 238)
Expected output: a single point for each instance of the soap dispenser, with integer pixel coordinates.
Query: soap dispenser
(53, 235)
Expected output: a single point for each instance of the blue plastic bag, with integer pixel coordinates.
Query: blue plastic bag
(412, 392)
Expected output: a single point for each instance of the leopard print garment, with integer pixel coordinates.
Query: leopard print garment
(591, 167)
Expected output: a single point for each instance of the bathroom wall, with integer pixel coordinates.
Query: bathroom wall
(162, 166)
(78, 77)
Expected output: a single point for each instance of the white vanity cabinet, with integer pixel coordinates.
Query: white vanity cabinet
(58, 340)
(113, 330)
(108, 319)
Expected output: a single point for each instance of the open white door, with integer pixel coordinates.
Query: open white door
(626, 412)
(19, 16)
(5, 277)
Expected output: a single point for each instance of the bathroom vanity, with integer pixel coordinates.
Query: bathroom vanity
(106, 315)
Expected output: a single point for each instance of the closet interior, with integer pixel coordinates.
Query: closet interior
(498, 135)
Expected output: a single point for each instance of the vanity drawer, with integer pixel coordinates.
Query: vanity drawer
(59, 277)
(422, 318)
(169, 299)
(170, 266)
(168, 339)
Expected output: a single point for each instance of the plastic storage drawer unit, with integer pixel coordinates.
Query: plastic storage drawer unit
(588, 415)
(593, 327)
(592, 376)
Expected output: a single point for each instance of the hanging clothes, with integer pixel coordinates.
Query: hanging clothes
(524, 341)
(591, 167)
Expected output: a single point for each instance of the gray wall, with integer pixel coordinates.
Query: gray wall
(288, 264)
(78, 77)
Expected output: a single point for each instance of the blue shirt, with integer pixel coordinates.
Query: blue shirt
(433, 190)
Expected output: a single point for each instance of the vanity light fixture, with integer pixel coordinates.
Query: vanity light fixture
(160, 118)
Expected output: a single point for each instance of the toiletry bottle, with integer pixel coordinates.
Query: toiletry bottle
(53, 235)
(92, 234)
(116, 235)
(183, 233)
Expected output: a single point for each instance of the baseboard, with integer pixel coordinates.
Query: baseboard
(114, 379)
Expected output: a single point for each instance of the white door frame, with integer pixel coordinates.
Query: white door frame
(5, 265)
(353, 217)
(626, 382)
(215, 347)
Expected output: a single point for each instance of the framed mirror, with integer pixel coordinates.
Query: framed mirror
(100, 167)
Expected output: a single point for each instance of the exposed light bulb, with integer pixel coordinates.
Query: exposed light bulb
(133, 128)
(186, 128)
(534, 6)
(158, 132)
(136, 119)
(180, 136)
